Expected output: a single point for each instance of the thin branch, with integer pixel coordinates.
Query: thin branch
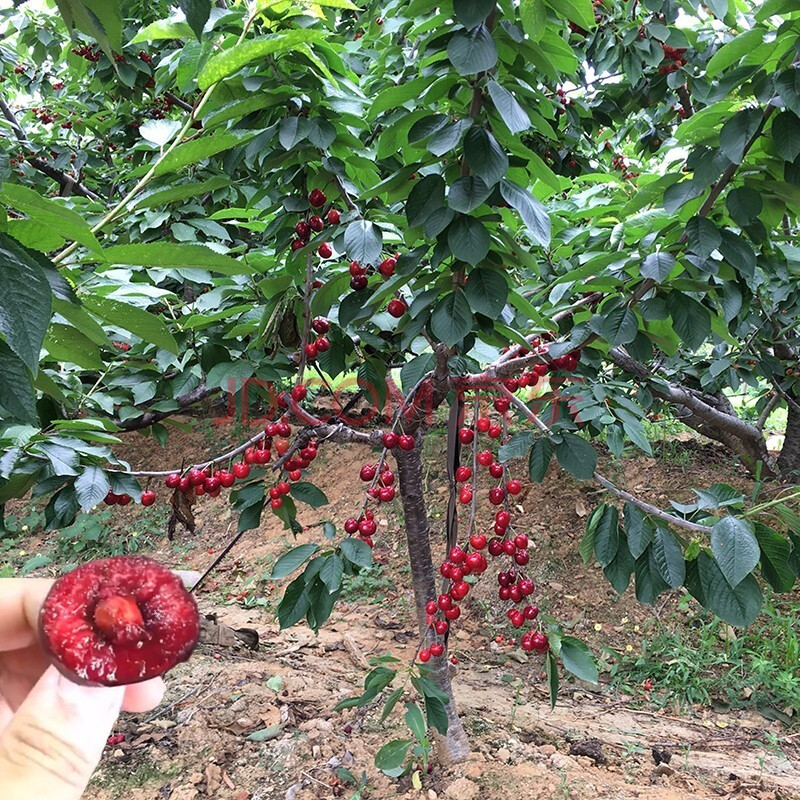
(605, 482)
(767, 410)
(197, 395)
(177, 101)
(67, 183)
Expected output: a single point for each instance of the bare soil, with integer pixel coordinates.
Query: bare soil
(595, 744)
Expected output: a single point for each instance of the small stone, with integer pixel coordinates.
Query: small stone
(324, 725)
(316, 751)
(584, 761)
(547, 749)
(432, 795)
(463, 789)
(560, 761)
(503, 754)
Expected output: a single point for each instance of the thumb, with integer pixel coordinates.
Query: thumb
(54, 742)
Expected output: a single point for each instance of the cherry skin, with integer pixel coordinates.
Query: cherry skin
(463, 473)
(466, 435)
(503, 518)
(496, 470)
(522, 557)
(148, 497)
(485, 458)
(495, 431)
(368, 472)
(185, 485)
(303, 230)
(226, 479)
(530, 612)
(284, 487)
(406, 442)
(322, 344)
(351, 525)
(424, 655)
(477, 541)
(299, 392)
(441, 626)
(387, 267)
(540, 642)
(311, 351)
(527, 587)
(457, 555)
(397, 308)
(521, 541)
(513, 487)
(358, 282)
(297, 244)
(321, 325)
(387, 494)
(465, 495)
(196, 476)
(431, 607)
(317, 198)
(316, 224)
(325, 250)
(483, 424)
(172, 481)
(495, 547)
(389, 439)
(437, 648)
(502, 404)
(333, 217)
(496, 496)
(386, 477)
(453, 613)
(276, 503)
(445, 602)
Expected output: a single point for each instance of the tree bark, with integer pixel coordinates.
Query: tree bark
(789, 459)
(454, 746)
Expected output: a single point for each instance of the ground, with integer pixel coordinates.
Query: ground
(239, 724)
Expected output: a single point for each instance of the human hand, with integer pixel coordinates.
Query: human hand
(52, 731)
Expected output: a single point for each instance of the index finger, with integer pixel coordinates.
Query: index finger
(21, 600)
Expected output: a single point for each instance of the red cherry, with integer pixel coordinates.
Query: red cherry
(437, 648)
(540, 642)
(503, 518)
(526, 586)
(148, 497)
(509, 548)
(444, 602)
(521, 541)
(460, 590)
(322, 344)
(495, 547)
(485, 458)
(463, 473)
(496, 470)
(185, 485)
(276, 502)
(457, 555)
(530, 612)
(441, 626)
(316, 224)
(359, 283)
(311, 350)
(431, 607)
(303, 230)
(211, 484)
(465, 495)
(284, 488)
(494, 431)
(351, 525)
(386, 477)
(397, 308)
(317, 198)
(522, 557)
(502, 404)
(111, 498)
(325, 250)
(356, 269)
(483, 424)
(297, 244)
(387, 267)
(368, 472)
(299, 392)
(446, 569)
(424, 655)
(406, 442)
(321, 325)
(453, 613)
(196, 476)
(389, 439)
(295, 475)
(504, 593)
(172, 481)
(333, 217)
(387, 494)
(513, 487)
(496, 495)
(466, 435)
(477, 541)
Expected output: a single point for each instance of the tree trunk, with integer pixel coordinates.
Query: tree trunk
(789, 459)
(453, 747)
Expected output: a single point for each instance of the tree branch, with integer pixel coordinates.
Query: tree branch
(184, 401)
(67, 183)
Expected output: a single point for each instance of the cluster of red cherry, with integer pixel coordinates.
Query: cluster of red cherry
(90, 53)
(358, 282)
(321, 344)
(44, 115)
(315, 224)
(674, 55)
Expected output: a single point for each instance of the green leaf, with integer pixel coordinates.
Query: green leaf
(737, 606)
(91, 486)
(17, 395)
(703, 236)
(606, 536)
(468, 239)
(472, 51)
(309, 494)
(788, 85)
(551, 668)
(267, 734)
(737, 132)
(292, 131)
(732, 52)
(668, 557)
(391, 758)
(197, 13)
(426, 197)
(786, 135)
(415, 721)
(331, 573)
(472, 12)
(539, 460)
(391, 702)
(586, 547)
(363, 242)
(580, 11)
(649, 583)
(166, 255)
(533, 14)
(294, 603)
(484, 156)
(199, 149)
(163, 29)
(292, 560)
(576, 456)
(393, 96)
(487, 292)
(452, 319)
(510, 111)
(531, 211)
(68, 223)
(516, 447)
(25, 301)
(578, 660)
(639, 530)
(100, 19)
(69, 346)
(692, 321)
(744, 204)
(735, 548)
(232, 60)
(357, 552)
(658, 266)
(139, 322)
(775, 558)
(617, 327)
(436, 713)
(174, 194)
(467, 193)
(618, 572)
